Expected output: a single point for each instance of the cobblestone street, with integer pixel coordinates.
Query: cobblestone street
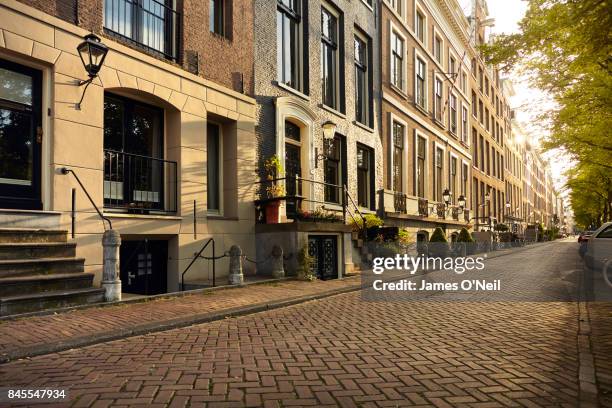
(342, 351)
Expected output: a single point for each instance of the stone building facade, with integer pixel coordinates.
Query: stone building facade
(317, 63)
(490, 127)
(425, 116)
(163, 141)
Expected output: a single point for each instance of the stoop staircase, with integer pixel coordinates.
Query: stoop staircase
(361, 248)
(39, 270)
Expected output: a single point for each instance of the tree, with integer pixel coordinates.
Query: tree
(567, 45)
(591, 194)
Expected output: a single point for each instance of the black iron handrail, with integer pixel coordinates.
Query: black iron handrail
(66, 170)
(196, 257)
(364, 229)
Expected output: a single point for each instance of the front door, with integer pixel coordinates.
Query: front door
(20, 136)
(324, 252)
(144, 266)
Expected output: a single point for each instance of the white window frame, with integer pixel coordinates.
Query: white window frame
(436, 34)
(340, 54)
(450, 111)
(418, 55)
(394, 118)
(300, 51)
(454, 194)
(419, 9)
(417, 134)
(464, 83)
(366, 41)
(393, 30)
(465, 125)
(434, 168)
(435, 111)
(466, 165)
(402, 5)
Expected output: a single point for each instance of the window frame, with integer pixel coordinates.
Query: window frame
(336, 45)
(296, 17)
(453, 113)
(419, 57)
(395, 32)
(418, 136)
(367, 74)
(369, 173)
(217, 19)
(419, 10)
(215, 211)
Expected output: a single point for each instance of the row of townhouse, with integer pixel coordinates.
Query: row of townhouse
(237, 123)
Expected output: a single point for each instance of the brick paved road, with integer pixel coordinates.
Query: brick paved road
(340, 351)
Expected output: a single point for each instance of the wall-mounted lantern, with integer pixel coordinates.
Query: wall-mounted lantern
(461, 202)
(446, 196)
(329, 133)
(92, 53)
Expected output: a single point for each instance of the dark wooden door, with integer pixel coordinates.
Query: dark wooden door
(144, 267)
(324, 251)
(20, 136)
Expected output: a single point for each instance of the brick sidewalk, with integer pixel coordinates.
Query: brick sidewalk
(44, 334)
(600, 314)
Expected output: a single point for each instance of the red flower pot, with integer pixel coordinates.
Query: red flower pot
(272, 212)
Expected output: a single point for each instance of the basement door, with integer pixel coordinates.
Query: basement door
(144, 266)
(324, 251)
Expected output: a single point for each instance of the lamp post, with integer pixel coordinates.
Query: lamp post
(329, 132)
(92, 53)
(461, 202)
(446, 196)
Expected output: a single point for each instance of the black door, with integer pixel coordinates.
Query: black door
(324, 251)
(20, 136)
(144, 267)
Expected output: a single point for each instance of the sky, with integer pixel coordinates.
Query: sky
(528, 100)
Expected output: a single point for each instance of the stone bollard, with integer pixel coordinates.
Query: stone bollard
(235, 276)
(278, 269)
(111, 241)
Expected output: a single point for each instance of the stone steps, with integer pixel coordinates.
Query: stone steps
(32, 250)
(27, 235)
(40, 266)
(49, 300)
(20, 285)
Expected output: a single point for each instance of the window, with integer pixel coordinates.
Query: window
(438, 171)
(362, 82)
(474, 105)
(213, 163)
(329, 58)
(480, 112)
(438, 49)
(474, 67)
(217, 16)
(333, 171)
(480, 79)
(486, 117)
(452, 65)
(488, 153)
(482, 154)
(464, 179)
(464, 82)
(419, 26)
(486, 87)
(453, 179)
(452, 113)
(365, 192)
(398, 156)
(293, 160)
(420, 170)
(606, 233)
(152, 24)
(464, 124)
(438, 100)
(420, 90)
(396, 5)
(289, 44)
(475, 147)
(397, 60)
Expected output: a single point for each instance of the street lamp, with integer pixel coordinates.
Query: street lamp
(92, 53)
(446, 196)
(329, 133)
(461, 202)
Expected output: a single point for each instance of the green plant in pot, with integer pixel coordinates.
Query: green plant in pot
(440, 244)
(274, 189)
(465, 242)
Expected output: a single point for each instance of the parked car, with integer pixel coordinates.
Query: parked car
(599, 247)
(584, 236)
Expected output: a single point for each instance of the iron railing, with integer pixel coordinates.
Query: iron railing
(399, 202)
(66, 170)
(423, 207)
(150, 24)
(197, 256)
(138, 183)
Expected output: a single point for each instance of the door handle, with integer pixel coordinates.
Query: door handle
(130, 277)
(39, 134)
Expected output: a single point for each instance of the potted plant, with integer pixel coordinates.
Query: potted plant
(274, 190)
(440, 247)
(465, 242)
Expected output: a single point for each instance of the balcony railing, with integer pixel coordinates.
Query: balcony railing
(150, 24)
(138, 183)
(423, 207)
(399, 202)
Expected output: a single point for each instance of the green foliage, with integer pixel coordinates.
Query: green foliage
(501, 227)
(438, 236)
(305, 261)
(274, 170)
(464, 236)
(371, 220)
(403, 237)
(566, 46)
